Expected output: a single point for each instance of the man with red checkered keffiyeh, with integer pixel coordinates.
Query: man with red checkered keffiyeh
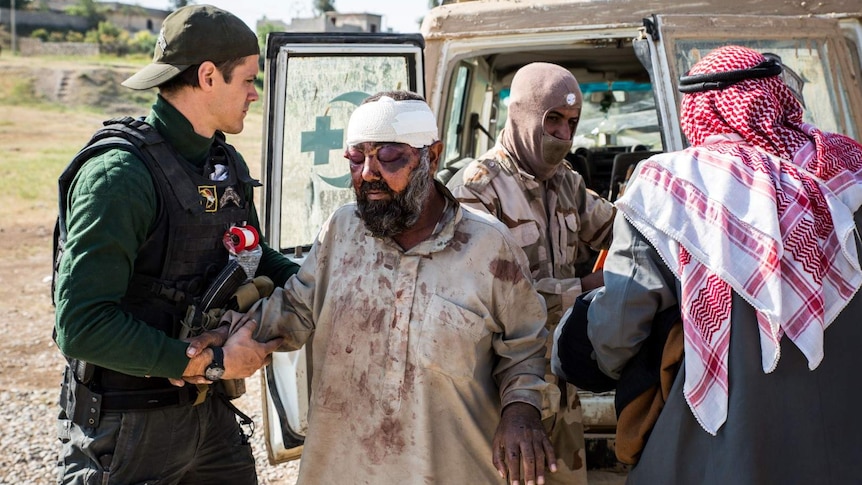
(752, 233)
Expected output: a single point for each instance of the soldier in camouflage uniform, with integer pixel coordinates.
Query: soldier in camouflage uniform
(523, 181)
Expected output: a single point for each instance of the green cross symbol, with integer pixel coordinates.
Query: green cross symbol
(321, 140)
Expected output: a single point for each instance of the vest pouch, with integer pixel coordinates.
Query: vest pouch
(82, 406)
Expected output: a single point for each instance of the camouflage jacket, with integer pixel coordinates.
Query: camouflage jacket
(554, 222)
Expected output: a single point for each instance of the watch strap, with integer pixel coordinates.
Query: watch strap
(216, 365)
(218, 357)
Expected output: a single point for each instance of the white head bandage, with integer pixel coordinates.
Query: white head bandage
(389, 121)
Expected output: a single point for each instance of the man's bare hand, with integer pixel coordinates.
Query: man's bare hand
(521, 446)
(211, 338)
(243, 355)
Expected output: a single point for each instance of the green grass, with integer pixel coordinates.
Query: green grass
(39, 137)
(19, 93)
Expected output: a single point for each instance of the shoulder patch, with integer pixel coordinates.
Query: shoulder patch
(480, 172)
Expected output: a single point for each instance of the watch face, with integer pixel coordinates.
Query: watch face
(214, 373)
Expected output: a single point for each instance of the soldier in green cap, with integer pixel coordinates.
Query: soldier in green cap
(145, 210)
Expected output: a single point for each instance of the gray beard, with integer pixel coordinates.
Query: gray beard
(387, 218)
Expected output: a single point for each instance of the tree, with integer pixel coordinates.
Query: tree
(40, 34)
(437, 3)
(175, 4)
(113, 39)
(143, 42)
(89, 10)
(264, 28)
(322, 6)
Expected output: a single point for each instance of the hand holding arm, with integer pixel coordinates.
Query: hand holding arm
(243, 355)
(521, 443)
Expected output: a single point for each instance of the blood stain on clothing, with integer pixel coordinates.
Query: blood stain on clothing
(363, 381)
(385, 260)
(328, 400)
(349, 348)
(506, 270)
(409, 377)
(374, 320)
(384, 282)
(459, 239)
(386, 440)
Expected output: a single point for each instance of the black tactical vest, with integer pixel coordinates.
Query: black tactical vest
(184, 249)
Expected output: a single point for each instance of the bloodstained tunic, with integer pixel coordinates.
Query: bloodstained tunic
(414, 351)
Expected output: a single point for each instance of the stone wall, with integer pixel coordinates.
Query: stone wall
(35, 47)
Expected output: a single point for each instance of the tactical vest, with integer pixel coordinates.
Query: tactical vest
(184, 250)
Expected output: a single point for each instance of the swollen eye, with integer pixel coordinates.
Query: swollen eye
(389, 153)
(354, 156)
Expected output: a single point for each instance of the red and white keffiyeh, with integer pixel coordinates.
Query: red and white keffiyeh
(760, 204)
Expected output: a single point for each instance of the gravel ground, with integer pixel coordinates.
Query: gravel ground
(29, 445)
(31, 367)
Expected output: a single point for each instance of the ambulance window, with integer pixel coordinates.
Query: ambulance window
(824, 97)
(454, 128)
(320, 94)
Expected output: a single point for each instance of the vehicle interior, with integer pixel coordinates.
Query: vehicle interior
(618, 118)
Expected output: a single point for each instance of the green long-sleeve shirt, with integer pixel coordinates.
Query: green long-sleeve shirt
(112, 207)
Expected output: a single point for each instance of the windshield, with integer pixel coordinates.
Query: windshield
(808, 58)
(620, 113)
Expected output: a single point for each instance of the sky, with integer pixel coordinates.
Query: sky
(399, 15)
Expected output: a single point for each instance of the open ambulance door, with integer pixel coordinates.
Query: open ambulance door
(814, 48)
(313, 82)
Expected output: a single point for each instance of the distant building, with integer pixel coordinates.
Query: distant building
(331, 22)
(134, 17)
(51, 15)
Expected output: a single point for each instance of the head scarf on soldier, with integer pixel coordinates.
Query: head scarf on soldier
(536, 89)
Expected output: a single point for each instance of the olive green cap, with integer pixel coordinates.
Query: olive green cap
(192, 35)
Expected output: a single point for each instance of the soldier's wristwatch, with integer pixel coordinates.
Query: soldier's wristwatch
(215, 370)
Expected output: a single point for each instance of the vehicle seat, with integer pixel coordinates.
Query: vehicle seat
(621, 169)
(447, 172)
(581, 164)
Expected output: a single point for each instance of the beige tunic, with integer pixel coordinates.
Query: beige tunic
(554, 222)
(414, 351)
